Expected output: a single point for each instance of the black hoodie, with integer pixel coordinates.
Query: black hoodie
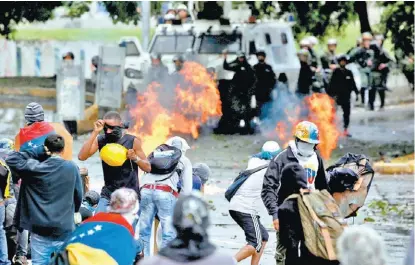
(291, 233)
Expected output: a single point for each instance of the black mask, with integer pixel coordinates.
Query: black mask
(261, 60)
(113, 136)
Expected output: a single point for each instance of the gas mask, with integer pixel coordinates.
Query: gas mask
(305, 149)
(115, 135)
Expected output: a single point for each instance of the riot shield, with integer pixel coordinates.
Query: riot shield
(70, 92)
(110, 77)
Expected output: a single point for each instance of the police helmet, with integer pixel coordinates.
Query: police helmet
(240, 54)
(367, 36)
(313, 40)
(332, 42)
(305, 42)
(343, 57)
(155, 56)
(178, 57)
(181, 7)
(69, 54)
(261, 53)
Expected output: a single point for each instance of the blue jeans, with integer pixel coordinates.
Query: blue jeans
(4, 259)
(43, 248)
(161, 203)
(102, 205)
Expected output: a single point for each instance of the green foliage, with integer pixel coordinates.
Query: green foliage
(14, 12)
(387, 209)
(76, 9)
(123, 11)
(317, 17)
(398, 23)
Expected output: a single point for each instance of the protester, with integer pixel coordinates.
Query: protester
(305, 78)
(241, 94)
(50, 194)
(5, 184)
(159, 193)
(361, 245)
(191, 246)
(115, 177)
(89, 204)
(292, 235)
(17, 240)
(266, 82)
(342, 84)
(201, 174)
(302, 151)
(244, 205)
(106, 238)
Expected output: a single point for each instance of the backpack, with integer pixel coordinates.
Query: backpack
(240, 179)
(350, 201)
(164, 159)
(322, 222)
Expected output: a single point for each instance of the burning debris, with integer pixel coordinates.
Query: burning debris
(179, 107)
(287, 111)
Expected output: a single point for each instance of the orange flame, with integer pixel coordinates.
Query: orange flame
(196, 100)
(322, 112)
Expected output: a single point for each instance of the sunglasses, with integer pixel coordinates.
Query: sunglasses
(107, 126)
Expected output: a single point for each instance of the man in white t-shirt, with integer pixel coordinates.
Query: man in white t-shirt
(303, 151)
(244, 205)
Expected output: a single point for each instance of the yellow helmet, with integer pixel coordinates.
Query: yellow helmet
(114, 154)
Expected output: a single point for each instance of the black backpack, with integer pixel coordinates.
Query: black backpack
(164, 159)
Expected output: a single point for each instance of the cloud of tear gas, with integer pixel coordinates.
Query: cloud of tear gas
(286, 110)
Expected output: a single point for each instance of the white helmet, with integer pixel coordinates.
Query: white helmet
(332, 42)
(305, 42)
(169, 17)
(313, 40)
(181, 7)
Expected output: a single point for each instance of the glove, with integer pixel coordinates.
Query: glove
(253, 102)
(77, 218)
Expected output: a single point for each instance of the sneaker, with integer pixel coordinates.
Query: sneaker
(346, 133)
(20, 260)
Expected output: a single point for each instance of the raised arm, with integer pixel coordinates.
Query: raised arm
(90, 147)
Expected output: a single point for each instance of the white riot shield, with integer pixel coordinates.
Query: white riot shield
(70, 92)
(110, 77)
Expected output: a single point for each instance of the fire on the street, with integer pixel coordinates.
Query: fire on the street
(319, 109)
(195, 100)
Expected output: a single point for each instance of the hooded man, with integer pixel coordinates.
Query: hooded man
(159, 193)
(265, 81)
(303, 152)
(115, 177)
(291, 235)
(191, 246)
(245, 204)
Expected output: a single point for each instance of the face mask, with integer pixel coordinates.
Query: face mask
(114, 136)
(305, 149)
(261, 60)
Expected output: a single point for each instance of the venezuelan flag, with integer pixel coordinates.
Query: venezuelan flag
(34, 135)
(104, 239)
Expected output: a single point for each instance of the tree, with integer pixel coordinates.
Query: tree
(398, 23)
(361, 9)
(13, 12)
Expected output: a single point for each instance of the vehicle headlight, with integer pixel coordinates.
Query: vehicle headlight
(133, 74)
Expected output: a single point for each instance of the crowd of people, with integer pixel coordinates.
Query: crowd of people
(48, 214)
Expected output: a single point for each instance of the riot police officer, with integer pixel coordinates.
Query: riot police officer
(314, 62)
(158, 71)
(380, 72)
(265, 81)
(305, 78)
(342, 84)
(241, 93)
(329, 60)
(364, 57)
